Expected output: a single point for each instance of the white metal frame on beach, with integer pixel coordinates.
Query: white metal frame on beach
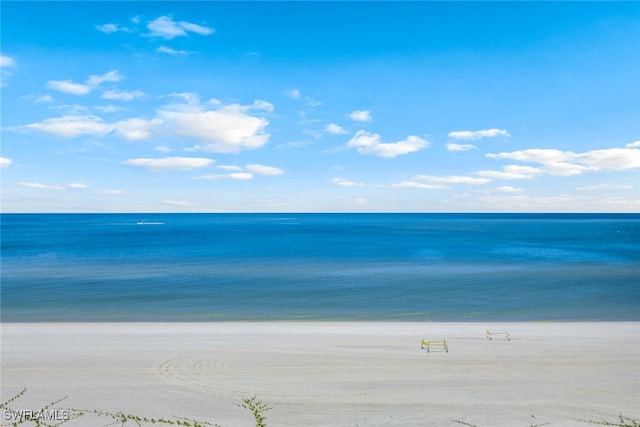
(505, 334)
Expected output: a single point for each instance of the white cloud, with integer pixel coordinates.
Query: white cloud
(478, 134)
(294, 93)
(6, 61)
(346, 183)
(121, 95)
(418, 185)
(114, 28)
(67, 86)
(634, 144)
(195, 28)
(109, 76)
(544, 156)
(258, 104)
(230, 168)
(508, 189)
(163, 149)
(72, 126)
(107, 28)
(453, 179)
(109, 108)
(175, 202)
(368, 143)
(137, 129)
(361, 116)
(598, 187)
(78, 186)
(241, 176)
(452, 146)
(566, 169)
(513, 172)
(165, 49)
(264, 170)
(312, 103)
(43, 99)
(171, 163)
(564, 163)
(190, 100)
(71, 109)
(314, 133)
(5, 162)
(610, 159)
(75, 125)
(40, 186)
(557, 203)
(227, 129)
(111, 192)
(334, 129)
(239, 173)
(167, 28)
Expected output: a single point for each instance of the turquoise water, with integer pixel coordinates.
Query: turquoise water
(212, 267)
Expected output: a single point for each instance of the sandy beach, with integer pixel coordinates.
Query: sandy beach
(330, 374)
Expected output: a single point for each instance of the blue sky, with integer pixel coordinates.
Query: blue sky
(320, 107)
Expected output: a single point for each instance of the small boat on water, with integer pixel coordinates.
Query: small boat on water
(143, 222)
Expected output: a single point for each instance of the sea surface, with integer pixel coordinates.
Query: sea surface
(369, 267)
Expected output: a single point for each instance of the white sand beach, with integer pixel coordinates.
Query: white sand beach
(330, 374)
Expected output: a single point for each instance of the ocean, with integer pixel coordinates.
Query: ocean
(316, 267)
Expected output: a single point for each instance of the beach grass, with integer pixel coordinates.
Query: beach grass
(43, 417)
(52, 414)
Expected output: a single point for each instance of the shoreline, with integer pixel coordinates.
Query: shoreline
(312, 321)
(331, 373)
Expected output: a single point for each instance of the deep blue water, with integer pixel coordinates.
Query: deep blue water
(211, 267)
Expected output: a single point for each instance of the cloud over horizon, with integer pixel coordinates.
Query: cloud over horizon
(170, 163)
(247, 110)
(565, 163)
(453, 179)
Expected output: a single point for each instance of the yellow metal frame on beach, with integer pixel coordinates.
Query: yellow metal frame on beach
(428, 344)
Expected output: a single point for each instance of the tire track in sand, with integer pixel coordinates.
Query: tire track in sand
(268, 377)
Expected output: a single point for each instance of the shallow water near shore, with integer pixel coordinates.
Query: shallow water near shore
(384, 267)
